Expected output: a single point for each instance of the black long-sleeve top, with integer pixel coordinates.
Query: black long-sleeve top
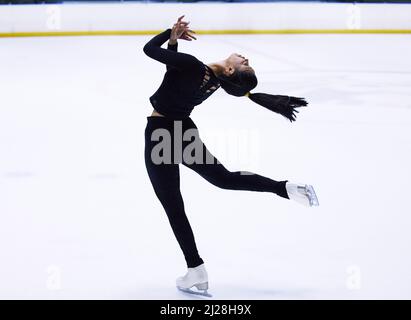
(187, 81)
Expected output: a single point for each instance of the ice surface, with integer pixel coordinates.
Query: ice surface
(79, 218)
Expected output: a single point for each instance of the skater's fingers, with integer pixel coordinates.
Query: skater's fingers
(190, 35)
(187, 35)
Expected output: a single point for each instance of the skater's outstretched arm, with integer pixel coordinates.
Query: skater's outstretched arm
(171, 57)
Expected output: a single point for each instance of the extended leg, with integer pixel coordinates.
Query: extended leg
(214, 172)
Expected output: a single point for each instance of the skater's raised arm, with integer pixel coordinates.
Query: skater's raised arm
(170, 56)
(173, 46)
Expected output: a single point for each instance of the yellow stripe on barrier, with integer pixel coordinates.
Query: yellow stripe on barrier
(204, 32)
(306, 31)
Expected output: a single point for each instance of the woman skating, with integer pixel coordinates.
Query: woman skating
(171, 136)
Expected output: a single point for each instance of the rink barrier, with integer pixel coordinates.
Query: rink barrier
(126, 18)
(201, 32)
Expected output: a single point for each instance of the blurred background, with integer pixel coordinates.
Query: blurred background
(78, 216)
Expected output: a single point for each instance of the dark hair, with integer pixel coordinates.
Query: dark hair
(240, 83)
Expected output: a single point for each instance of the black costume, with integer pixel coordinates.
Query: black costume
(187, 83)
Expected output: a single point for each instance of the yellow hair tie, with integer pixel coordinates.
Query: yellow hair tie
(247, 94)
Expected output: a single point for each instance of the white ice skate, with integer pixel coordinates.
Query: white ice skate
(302, 193)
(195, 277)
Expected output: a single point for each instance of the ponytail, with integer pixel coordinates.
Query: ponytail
(240, 84)
(284, 105)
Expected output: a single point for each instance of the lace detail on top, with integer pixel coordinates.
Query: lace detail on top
(210, 82)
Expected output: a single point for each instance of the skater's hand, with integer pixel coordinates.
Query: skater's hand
(181, 30)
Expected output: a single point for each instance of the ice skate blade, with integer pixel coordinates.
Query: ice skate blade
(198, 293)
(312, 196)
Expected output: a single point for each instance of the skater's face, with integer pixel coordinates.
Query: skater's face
(237, 62)
(237, 77)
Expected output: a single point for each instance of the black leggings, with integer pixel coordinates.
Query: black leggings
(165, 177)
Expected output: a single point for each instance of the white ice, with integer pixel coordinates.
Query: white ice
(79, 218)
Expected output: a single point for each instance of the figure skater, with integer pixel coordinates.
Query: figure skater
(186, 84)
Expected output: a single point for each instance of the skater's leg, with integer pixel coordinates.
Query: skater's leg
(166, 183)
(165, 179)
(215, 172)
